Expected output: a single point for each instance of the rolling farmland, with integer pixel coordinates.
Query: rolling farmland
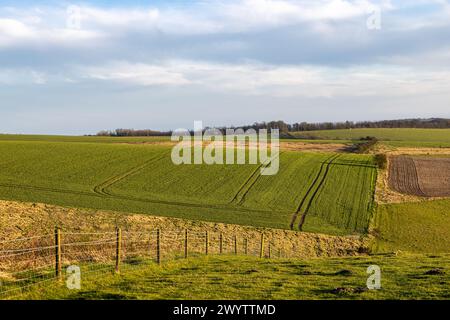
(400, 137)
(113, 180)
(330, 193)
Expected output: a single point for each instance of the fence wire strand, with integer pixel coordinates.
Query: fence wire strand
(32, 261)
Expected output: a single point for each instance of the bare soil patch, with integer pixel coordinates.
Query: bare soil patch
(384, 194)
(403, 176)
(434, 176)
(420, 176)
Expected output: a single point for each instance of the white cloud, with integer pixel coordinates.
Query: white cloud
(22, 76)
(134, 18)
(135, 74)
(271, 80)
(12, 31)
(46, 27)
(216, 16)
(38, 77)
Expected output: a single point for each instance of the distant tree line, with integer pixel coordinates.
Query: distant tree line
(434, 123)
(133, 133)
(285, 128)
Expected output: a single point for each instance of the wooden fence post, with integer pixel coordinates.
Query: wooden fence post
(58, 259)
(270, 250)
(246, 246)
(158, 246)
(221, 243)
(186, 244)
(261, 253)
(235, 245)
(118, 248)
(206, 243)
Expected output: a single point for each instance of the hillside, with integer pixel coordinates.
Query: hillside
(236, 278)
(142, 178)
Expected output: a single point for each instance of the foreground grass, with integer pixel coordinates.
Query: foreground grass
(416, 227)
(229, 277)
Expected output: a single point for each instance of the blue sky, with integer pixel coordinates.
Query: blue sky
(80, 67)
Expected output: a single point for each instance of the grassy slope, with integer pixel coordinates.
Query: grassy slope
(71, 166)
(415, 227)
(231, 277)
(207, 184)
(142, 179)
(393, 137)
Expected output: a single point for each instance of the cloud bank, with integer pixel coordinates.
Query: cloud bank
(244, 49)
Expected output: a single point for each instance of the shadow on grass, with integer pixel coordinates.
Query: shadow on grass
(98, 295)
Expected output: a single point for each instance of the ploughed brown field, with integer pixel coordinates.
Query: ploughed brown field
(420, 176)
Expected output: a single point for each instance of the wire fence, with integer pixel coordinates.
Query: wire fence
(29, 262)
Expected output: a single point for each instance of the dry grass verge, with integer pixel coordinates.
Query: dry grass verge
(29, 219)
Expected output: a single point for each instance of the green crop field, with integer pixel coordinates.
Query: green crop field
(332, 193)
(414, 227)
(393, 137)
(345, 199)
(230, 277)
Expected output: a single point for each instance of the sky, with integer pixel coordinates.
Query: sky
(80, 67)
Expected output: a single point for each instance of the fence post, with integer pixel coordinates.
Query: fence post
(58, 253)
(158, 246)
(186, 244)
(235, 245)
(221, 243)
(261, 253)
(270, 250)
(246, 246)
(206, 243)
(118, 248)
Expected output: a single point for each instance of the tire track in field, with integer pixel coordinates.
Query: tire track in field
(416, 175)
(186, 204)
(239, 197)
(155, 201)
(100, 189)
(29, 187)
(311, 187)
(324, 167)
(246, 182)
(96, 192)
(403, 176)
(327, 169)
